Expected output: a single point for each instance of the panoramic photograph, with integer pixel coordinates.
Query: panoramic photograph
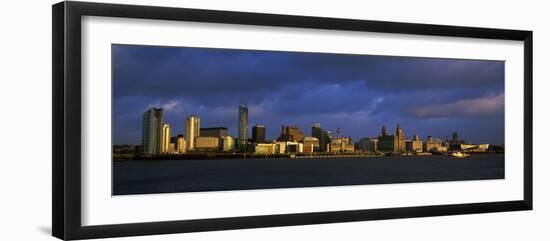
(190, 119)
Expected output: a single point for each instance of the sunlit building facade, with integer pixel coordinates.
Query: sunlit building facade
(227, 143)
(207, 143)
(165, 139)
(192, 131)
(180, 144)
(311, 144)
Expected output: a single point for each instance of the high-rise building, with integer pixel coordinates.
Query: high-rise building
(258, 134)
(323, 136)
(151, 136)
(192, 130)
(243, 128)
(291, 133)
(165, 139)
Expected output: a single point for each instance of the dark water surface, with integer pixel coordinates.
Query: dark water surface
(145, 177)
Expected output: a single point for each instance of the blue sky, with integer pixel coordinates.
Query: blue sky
(357, 93)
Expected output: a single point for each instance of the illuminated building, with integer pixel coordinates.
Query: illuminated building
(341, 145)
(294, 147)
(227, 143)
(180, 144)
(415, 145)
(207, 143)
(192, 131)
(264, 148)
(165, 139)
(311, 144)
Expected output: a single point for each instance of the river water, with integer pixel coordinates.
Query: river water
(146, 177)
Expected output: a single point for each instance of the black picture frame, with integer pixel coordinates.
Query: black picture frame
(66, 159)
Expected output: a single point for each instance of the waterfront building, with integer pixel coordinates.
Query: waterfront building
(328, 139)
(432, 145)
(341, 145)
(322, 135)
(180, 144)
(415, 145)
(474, 147)
(264, 148)
(227, 143)
(392, 143)
(192, 131)
(311, 144)
(243, 128)
(207, 143)
(291, 133)
(165, 139)
(280, 147)
(151, 136)
(367, 144)
(258, 134)
(172, 148)
(294, 147)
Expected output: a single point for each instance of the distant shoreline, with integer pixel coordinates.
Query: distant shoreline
(230, 156)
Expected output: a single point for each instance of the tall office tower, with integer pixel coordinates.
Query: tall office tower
(192, 130)
(151, 134)
(258, 134)
(165, 138)
(317, 132)
(243, 128)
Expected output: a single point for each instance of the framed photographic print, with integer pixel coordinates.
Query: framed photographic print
(170, 120)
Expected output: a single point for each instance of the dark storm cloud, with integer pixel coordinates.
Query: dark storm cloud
(358, 93)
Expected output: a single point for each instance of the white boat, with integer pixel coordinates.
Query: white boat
(459, 154)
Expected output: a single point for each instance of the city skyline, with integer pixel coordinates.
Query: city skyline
(446, 97)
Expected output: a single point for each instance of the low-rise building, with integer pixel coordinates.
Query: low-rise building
(180, 144)
(294, 147)
(311, 144)
(341, 145)
(227, 143)
(209, 143)
(264, 148)
(280, 147)
(432, 145)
